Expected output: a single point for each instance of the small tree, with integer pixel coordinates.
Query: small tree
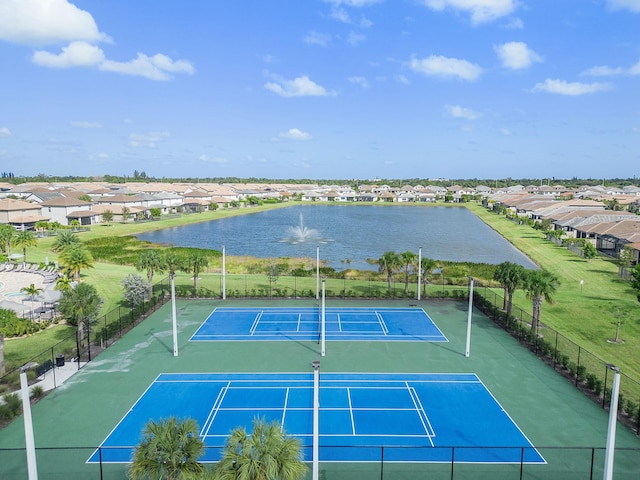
(170, 449)
(135, 289)
(24, 239)
(126, 214)
(155, 213)
(625, 259)
(32, 291)
(80, 306)
(152, 262)
(75, 257)
(107, 216)
(635, 282)
(589, 251)
(7, 232)
(64, 239)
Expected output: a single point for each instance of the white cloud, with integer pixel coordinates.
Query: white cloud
(438, 66)
(632, 5)
(149, 140)
(316, 38)
(359, 81)
(506, 132)
(298, 87)
(340, 14)
(216, 160)
(156, 67)
(42, 22)
(606, 71)
(5, 132)
(516, 55)
(481, 11)
(456, 111)
(353, 3)
(85, 124)
(514, 24)
(567, 88)
(401, 79)
(76, 54)
(294, 134)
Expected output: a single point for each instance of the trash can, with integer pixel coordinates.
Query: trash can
(59, 360)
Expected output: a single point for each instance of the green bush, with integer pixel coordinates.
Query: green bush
(37, 391)
(581, 372)
(12, 406)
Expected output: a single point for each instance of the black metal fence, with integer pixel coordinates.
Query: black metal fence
(74, 351)
(590, 373)
(561, 463)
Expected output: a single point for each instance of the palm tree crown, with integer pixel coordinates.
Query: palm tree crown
(540, 285)
(170, 448)
(266, 454)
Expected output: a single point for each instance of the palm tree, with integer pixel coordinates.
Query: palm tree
(510, 276)
(7, 232)
(24, 239)
(75, 257)
(539, 285)
(196, 262)
(64, 239)
(170, 449)
(33, 292)
(63, 284)
(151, 261)
(80, 307)
(426, 264)
(388, 263)
(408, 260)
(267, 453)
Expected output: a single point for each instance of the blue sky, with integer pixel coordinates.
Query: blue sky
(321, 88)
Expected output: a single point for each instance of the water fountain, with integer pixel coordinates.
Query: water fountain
(302, 234)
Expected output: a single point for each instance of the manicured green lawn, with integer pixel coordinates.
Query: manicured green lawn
(584, 314)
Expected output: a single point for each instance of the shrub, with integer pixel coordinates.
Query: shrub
(13, 405)
(37, 391)
(581, 372)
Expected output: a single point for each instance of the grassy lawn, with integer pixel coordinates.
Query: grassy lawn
(585, 314)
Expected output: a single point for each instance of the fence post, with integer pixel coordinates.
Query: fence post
(604, 389)
(555, 353)
(578, 368)
(382, 463)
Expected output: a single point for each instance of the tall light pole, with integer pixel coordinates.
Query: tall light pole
(419, 270)
(466, 353)
(32, 466)
(224, 273)
(613, 417)
(322, 322)
(317, 273)
(316, 419)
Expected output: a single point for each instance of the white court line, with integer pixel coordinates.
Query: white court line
(255, 323)
(339, 324)
(421, 413)
(353, 424)
(383, 325)
(214, 410)
(299, 321)
(284, 408)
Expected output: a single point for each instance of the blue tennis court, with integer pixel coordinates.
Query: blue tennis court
(411, 414)
(388, 324)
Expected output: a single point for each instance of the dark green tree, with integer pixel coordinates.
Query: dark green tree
(389, 263)
(510, 276)
(23, 240)
(408, 260)
(152, 262)
(540, 286)
(80, 307)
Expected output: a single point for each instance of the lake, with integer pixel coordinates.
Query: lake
(349, 235)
